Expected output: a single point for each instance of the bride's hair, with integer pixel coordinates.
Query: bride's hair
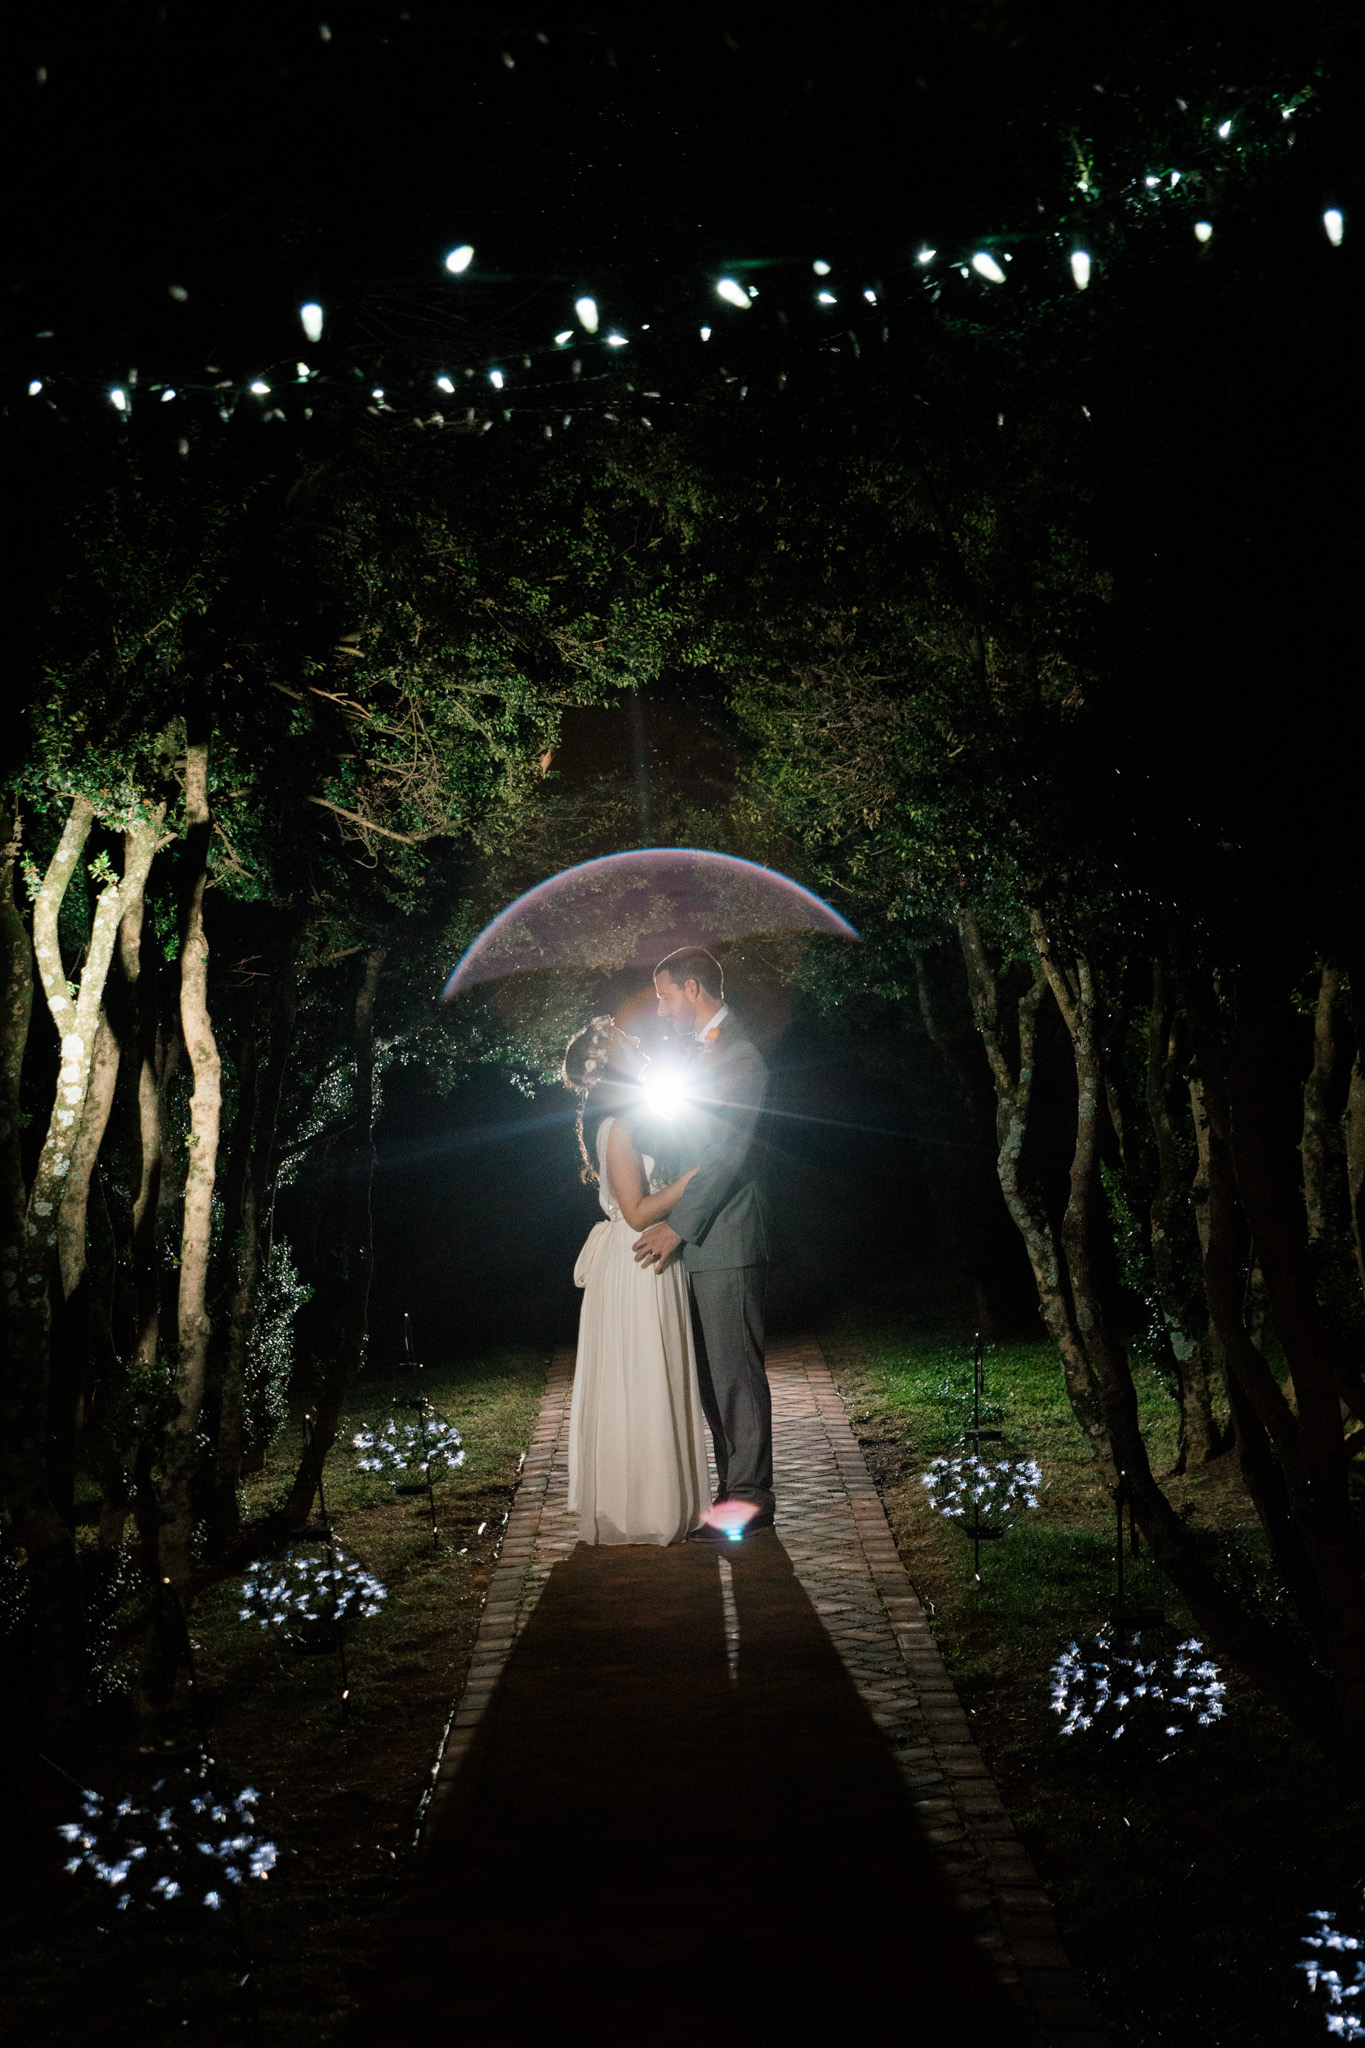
(586, 1059)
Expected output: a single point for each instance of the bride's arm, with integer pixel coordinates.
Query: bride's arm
(629, 1186)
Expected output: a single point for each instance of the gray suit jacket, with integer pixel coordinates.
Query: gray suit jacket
(720, 1214)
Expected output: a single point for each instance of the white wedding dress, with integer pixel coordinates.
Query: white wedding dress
(637, 1454)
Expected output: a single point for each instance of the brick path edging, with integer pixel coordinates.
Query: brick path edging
(834, 1527)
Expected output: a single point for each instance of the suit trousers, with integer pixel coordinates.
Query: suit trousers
(727, 1324)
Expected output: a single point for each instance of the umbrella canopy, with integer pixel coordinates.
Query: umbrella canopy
(630, 909)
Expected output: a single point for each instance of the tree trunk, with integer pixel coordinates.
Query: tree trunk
(24, 1421)
(1014, 1097)
(1285, 1677)
(16, 1007)
(349, 1334)
(1323, 1375)
(1172, 1234)
(201, 1165)
(261, 1081)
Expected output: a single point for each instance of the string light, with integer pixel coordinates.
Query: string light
(820, 267)
(311, 317)
(586, 311)
(870, 296)
(495, 379)
(35, 386)
(1224, 130)
(616, 341)
(563, 340)
(1080, 268)
(444, 384)
(925, 255)
(985, 265)
(826, 299)
(167, 395)
(459, 260)
(732, 293)
(259, 388)
(1335, 225)
(705, 333)
(118, 398)
(1203, 231)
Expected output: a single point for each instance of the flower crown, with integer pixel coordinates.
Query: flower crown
(596, 1063)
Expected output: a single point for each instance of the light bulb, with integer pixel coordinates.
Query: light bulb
(732, 293)
(119, 399)
(495, 379)
(871, 297)
(444, 384)
(826, 299)
(586, 309)
(926, 254)
(1203, 231)
(820, 267)
(985, 265)
(706, 334)
(1335, 226)
(35, 386)
(460, 259)
(167, 395)
(616, 341)
(311, 316)
(563, 340)
(1080, 268)
(260, 388)
(1224, 130)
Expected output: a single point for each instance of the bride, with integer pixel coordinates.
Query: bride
(637, 1457)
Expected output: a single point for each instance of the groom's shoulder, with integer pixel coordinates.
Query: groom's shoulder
(736, 1044)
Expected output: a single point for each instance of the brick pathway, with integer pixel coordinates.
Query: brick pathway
(832, 1527)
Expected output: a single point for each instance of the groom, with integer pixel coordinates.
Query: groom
(718, 1221)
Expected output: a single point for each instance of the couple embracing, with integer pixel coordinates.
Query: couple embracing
(673, 1284)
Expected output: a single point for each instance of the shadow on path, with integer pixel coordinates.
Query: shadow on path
(645, 1847)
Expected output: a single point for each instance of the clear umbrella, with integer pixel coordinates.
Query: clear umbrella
(630, 909)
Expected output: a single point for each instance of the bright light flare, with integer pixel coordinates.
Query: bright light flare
(985, 265)
(1080, 268)
(731, 1516)
(1335, 225)
(585, 310)
(733, 294)
(665, 1096)
(459, 260)
(310, 318)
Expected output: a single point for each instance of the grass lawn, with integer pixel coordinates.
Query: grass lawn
(1182, 1887)
(339, 1801)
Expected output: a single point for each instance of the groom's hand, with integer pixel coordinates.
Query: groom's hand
(656, 1244)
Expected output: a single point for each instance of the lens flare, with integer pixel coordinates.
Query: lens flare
(730, 1516)
(630, 909)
